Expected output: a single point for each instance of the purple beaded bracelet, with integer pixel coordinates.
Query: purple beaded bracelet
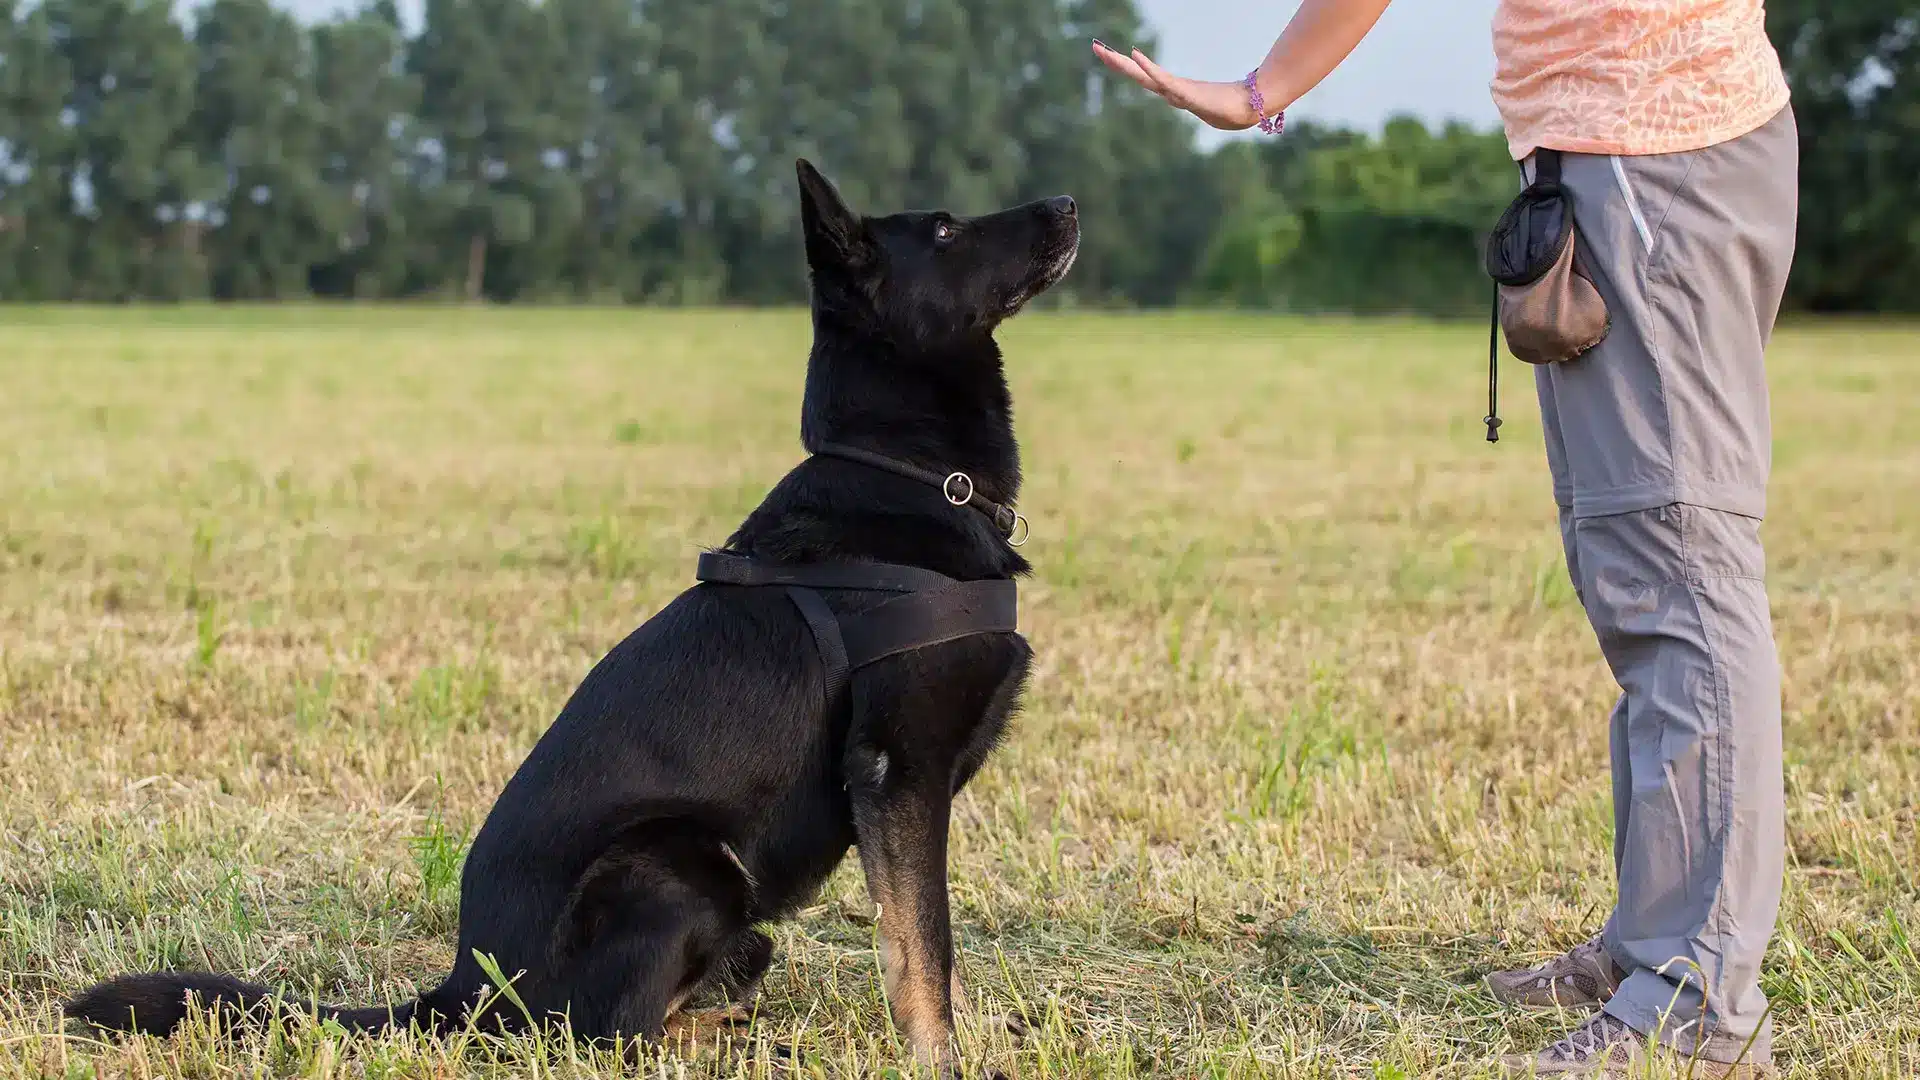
(1272, 125)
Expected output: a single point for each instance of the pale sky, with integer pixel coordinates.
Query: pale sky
(1430, 58)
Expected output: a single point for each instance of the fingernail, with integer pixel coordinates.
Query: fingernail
(1102, 44)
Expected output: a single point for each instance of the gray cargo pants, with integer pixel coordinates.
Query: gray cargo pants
(1659, 442)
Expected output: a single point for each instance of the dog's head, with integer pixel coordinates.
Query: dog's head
(927, 279)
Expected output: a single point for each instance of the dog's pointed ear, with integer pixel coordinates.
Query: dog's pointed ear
(832, 231)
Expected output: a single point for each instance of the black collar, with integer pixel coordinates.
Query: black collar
(957, 487)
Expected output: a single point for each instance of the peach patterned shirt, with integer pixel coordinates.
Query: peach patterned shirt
(1633, 76)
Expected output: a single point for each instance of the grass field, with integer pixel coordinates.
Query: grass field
(1317, 735)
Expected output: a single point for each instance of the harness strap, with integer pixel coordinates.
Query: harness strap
(826, 638)
(931, 608)
(727, 569)
(919, 619)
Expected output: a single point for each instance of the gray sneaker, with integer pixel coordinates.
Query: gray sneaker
(1607, 1049)
(1581, 979)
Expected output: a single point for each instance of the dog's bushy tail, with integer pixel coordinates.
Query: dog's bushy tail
(156, 1004)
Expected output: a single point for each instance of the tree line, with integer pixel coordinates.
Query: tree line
(640, 151)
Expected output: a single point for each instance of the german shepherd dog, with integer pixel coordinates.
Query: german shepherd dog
(704, 779)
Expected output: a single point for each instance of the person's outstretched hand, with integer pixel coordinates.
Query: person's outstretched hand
(1224, 105)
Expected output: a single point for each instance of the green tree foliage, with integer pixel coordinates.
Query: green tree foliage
(641, 151)
(1333, 221)
(1855, 69)
(123, 173)
(36, 215)
(257, 131)
(491, 81)
(367, 132)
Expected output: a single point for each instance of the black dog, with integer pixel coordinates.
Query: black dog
(714, 768)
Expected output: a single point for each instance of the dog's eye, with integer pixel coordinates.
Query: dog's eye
(943, 233)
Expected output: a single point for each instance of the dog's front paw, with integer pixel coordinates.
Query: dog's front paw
(960, 1072)
(1011, 1025)
(699, 1025)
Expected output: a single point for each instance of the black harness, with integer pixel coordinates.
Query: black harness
(928, 608)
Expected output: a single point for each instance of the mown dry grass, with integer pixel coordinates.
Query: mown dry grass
(1317, 736)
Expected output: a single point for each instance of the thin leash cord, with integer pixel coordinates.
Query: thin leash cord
(1493, 370)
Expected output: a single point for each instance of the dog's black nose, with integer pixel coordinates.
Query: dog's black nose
(1063, 205)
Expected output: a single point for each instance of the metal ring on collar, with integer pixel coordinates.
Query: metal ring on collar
(1017, 536)
(946, 488)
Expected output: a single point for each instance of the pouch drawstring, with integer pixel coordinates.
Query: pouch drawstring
(1493, 370)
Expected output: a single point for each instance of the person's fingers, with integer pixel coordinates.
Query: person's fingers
(1173, 87)
(1146, 64)
(1219, 104)
(1124, 65)
(1156, 78)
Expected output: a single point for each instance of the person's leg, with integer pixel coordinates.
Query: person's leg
(1665, 435)
(1561, 469)
(1585, 976)
(1680, 608)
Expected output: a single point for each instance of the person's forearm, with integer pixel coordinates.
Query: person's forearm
(1320, 35)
